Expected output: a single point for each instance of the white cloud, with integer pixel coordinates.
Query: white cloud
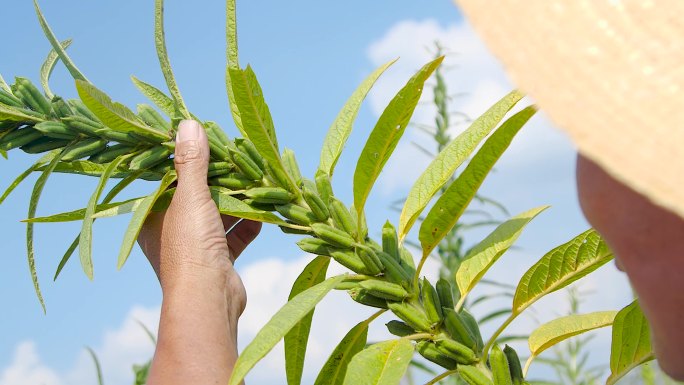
(27, 369)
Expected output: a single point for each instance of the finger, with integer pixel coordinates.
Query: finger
(241, 236)
(619, 265)
(191, 160)
(229, 221)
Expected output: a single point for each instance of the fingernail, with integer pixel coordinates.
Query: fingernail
(187, 130)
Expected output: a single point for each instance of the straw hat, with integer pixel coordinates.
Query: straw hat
(610, 73)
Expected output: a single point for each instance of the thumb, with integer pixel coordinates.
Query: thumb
(191, 158)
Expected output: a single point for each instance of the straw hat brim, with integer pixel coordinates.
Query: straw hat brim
(610, 73)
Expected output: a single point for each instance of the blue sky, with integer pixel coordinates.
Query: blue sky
(309, 56)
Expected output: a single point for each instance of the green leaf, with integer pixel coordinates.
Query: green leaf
(342, 126)
(156, 96)
(481, 257)
(86, 237)
(103, 210)
(451, 205)
(560, 267)
(256, 119)
(17, 115)
(47, 158)
(139, 216)
(54, 42)
(232, 62)
(3, 153)
(48, 66)
(228, 205)
(383, 363)
(335, 368)
(560, 329)
(3, 85)
(631, 345)
(281, 323)
(446, 162)
(33, 205)
(386, 134)
(160, 44)
(96, 362)
(115, 115)
(297, 339)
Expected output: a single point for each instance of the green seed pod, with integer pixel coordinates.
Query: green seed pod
(111, 153)
(279, 177)
(233, 181)
(259, 205)
(370, 260)
(471, 323)
(457, 329)
(219, 168)
(514, 365)
(399, 328)
(393, 271)
(218, 132)
(272, 195)
(144, 137)
(323, 185)
(347, 285)
(446, 297)
(350, 260)
(248, 148)
(81, 109)
(246, 165)
(31, 96)
(412, 315)
(217, 150)
(84, 148)
(291, 167)
(44, 145)
(153, 118)
(433, 308)
(431, 353)
(365, 298)
(117, 136)
(149, 158)
(500, 371)
(473, 375)
(457, 351)
(332, 235)
(383, 289)
(390, 241)
(57, 130)
(61, 108)
(296, 214)
(290, 230)
(9, 99)
(314, 246)
(7, 126)
(84, 125)
(341, 217)
(318, 208)
(363, 228)
(18, 138)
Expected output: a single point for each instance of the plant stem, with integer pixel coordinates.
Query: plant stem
(441, 377)
(497, 333)
(527, 365)
(419, 336)
(417, 275)
(375, 315)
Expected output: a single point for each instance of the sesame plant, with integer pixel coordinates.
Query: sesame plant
(250, 177)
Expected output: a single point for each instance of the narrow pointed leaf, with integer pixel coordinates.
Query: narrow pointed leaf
(383, 363)
(17, 115)
(281, 323)
(339, 132)
(486, 253)
(631, 345)
(115, 115)
(103, 210)
(48, 66)
(96, 362)
(45, 159)
(73, 70)
(165, 64)
(560, 267)
(560, 329)
(156, 96)
(229, 205)
(297, 339)
(232, 62)
(387, 132)
(446, 162)
(335, 368)
(451, 205)
(86, 237)
(33, 205)
(3, 84)
(139, 216)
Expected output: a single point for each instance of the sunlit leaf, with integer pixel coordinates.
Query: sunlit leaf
(342, 126)
(487, 252)
(281, 323)
(232, 62)
(162, 54)
(631, 345)
(560, 267)
(383, 363)
(228, 205)
(156, 96)
(4, 85)
(45, 159)
(8, 113)
(453, 202)
(446, 162)
(48, 66)
(297, 339)
(103, 210)
(335, 368)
